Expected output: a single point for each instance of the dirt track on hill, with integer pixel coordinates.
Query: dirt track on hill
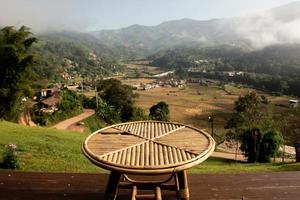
(67, 123)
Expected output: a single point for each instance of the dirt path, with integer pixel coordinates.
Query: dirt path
(231, 156)
(66, 123)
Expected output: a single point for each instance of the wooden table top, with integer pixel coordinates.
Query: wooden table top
(148, 147)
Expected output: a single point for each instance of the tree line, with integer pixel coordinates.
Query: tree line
(274, 68)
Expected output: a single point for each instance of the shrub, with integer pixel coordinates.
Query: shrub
(10, 158)
(139, 115)
(269, 145)
(88, 102)
(108, 112)
(260, 146)
(160, 112)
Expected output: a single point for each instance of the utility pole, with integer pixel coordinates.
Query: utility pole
(211, 120)
(81, 86)
(96, 93)
(283, 149)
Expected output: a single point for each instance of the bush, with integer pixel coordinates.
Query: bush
(89, 103)
(269, 146)
(10, 158)
(259, 146)
(160, 112)
(108, 112)
(139, 115)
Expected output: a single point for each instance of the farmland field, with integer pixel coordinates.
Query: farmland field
(194, 103)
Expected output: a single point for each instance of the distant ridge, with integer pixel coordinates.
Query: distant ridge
(274, 26)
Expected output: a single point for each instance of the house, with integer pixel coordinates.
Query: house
(294, 103)
(45, 93)
(49, 105)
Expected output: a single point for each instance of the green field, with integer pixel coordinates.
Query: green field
(50, 150)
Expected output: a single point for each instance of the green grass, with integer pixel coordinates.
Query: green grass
(221, 165)
(94, 123)
(50, 150)
(45, 149)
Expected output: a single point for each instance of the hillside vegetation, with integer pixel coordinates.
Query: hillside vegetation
(273, 68)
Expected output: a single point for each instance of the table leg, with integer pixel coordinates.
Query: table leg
(157, 193)
(134, 192)
(111, 191)
(182, 185)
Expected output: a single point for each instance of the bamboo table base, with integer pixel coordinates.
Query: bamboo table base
(115, 183)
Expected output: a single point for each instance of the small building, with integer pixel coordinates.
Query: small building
(45, 93)
(49, 105)
(294, 103)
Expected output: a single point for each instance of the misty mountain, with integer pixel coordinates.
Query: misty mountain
(88, 42)
(275, 26)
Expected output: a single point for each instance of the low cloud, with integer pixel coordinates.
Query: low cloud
(43, 16)
(265, 29)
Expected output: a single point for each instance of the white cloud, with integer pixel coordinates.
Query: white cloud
(264, 29)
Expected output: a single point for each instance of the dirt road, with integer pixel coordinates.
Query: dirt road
(66, 123)
(231, 156)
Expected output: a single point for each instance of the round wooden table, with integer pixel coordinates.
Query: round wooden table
(148, 148)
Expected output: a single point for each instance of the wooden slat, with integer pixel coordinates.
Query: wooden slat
(187, 139)
(147, 145)
(101, 144)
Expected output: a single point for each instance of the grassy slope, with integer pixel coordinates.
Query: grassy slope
(49, 150)
(45, 149)
(94, 123)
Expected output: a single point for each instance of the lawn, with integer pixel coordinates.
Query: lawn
(50, 150)
(221, 165)
(46, 149)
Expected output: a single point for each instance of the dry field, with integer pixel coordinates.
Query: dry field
(194, 104)
(141, 70)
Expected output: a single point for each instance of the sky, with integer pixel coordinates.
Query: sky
(91, 15)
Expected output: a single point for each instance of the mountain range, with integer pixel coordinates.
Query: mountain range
(280, 25)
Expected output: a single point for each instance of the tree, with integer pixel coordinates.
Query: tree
(260, 146)
(160, 112)
(250, 140)
(253, 127)
(269, 145)
(15, 67)
(247, 111)
(118, 96)
(107, 112)
(181, 73)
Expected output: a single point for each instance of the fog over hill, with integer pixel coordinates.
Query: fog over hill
(279, 25)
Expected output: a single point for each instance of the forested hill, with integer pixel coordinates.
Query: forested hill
(275, 68)
(75, 54)
(274, 60)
